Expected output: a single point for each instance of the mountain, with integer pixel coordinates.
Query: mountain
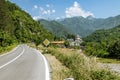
(104, 43)
(80, 25)
(85, 26)
(108, 35)
(56, 28)
(18, 26)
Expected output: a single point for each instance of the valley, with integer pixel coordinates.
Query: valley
(77, 47)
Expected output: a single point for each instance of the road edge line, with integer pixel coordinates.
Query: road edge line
(12, 59)
(47, 71)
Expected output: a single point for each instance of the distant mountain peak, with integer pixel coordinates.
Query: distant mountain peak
(90, 17)
(85, 26)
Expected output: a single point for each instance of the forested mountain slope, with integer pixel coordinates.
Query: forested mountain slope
(18, 26)
(80, 25)
(86, 26)
(56, 28)
(104, 43)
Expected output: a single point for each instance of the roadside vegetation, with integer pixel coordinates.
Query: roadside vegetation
(7, 49)
(58, 70)
(108, 60)
(81, 67)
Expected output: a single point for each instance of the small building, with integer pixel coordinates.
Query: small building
(75, 42)
(71, 41)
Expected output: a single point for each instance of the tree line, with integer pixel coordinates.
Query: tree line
(103, 43)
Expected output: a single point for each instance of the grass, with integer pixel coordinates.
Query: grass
(59, 71)
(3, 50)
(106, 60)
(80, 67)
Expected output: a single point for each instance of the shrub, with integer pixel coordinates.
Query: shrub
(114, 50)
(82, 67)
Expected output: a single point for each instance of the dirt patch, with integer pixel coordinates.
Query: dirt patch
(113, 67)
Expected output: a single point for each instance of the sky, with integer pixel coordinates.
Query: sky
(59, 9)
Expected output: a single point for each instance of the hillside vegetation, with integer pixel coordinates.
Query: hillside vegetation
(17, 26)
(80, 25)
(56, 28)
(80, 66)
(86, 26)
(104, 43)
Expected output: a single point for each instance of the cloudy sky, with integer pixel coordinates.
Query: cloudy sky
(58, 9)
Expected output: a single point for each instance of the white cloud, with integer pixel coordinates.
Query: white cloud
(47, 5)
(35, 6)
(43, 12)
(76, 10)
(41, 9)
(53, 11)
(76, 4)
(57, 18)
(47, 12)
(36, 17)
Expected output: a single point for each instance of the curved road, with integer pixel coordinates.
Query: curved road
(23, 63)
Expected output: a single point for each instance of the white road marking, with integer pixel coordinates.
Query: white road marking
(47, 72)
(9, 52)
(12, 59)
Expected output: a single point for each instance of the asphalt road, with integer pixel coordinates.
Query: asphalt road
(23, 63)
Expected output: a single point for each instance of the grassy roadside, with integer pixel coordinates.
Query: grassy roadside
(59, 71)
(106, 60)
(81, 67)
(3, 50)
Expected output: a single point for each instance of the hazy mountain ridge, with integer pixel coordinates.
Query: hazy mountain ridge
(55, 27)
(100, 35)
(85, 26)
(80, 25)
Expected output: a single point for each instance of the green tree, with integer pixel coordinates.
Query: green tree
(114, 50)
(67, 44)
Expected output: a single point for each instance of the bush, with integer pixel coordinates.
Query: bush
(8, 48)
(67, 44)
(114, 50)
(82, 67)
(102, 75)
(96, 49)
